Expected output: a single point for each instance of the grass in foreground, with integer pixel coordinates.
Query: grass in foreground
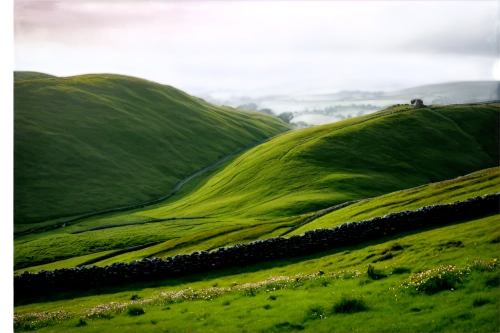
(310, 305)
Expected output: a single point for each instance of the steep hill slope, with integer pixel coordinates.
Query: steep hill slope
(263, 192)
(186, 236)
(363, 157)
(94, 142)
(475, 184)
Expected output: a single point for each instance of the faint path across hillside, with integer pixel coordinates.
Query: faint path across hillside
(373, 115)
(150, 202)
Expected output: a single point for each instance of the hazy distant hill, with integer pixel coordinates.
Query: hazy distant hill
(326, 88)
(323, 85)
(453, 92)
(328, 84)
(334, 107)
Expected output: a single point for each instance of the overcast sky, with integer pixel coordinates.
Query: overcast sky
(261, 48)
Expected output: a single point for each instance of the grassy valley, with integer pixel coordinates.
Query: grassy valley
(281, 183)
(315, 168)
(255, 167)
(187, 236)
(93, 142)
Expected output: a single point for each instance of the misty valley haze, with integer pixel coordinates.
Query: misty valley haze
(254, 48)
(323, 85)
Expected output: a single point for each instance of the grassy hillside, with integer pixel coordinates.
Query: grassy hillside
(314, 168)
(475, 184)
(263, 192)
(292, 295)
(279, 188)
(60, 249)
(93, 142)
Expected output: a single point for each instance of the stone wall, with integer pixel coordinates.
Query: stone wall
(347, 234)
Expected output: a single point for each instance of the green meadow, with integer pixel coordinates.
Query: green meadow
(94, 142)
(302, 294)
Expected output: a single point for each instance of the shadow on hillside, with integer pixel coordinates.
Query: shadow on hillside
(178, 281)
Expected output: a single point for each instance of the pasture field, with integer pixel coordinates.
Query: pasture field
(475, 184)
(307, 293)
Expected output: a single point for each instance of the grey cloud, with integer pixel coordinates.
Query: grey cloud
(479, 37)
(91, 22)
(214, 47)
(216, 71)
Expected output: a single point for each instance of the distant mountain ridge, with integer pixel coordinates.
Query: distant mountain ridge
(329, 84)
(452, 93)
(444, 92)
(322, 85)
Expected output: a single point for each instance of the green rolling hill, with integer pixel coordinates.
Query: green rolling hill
(461, 188)
(94, 142)
(311, 169)
(271, 189)
(394, 160)
(189, 236)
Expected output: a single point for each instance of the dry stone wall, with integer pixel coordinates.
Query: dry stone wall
(347, 234)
